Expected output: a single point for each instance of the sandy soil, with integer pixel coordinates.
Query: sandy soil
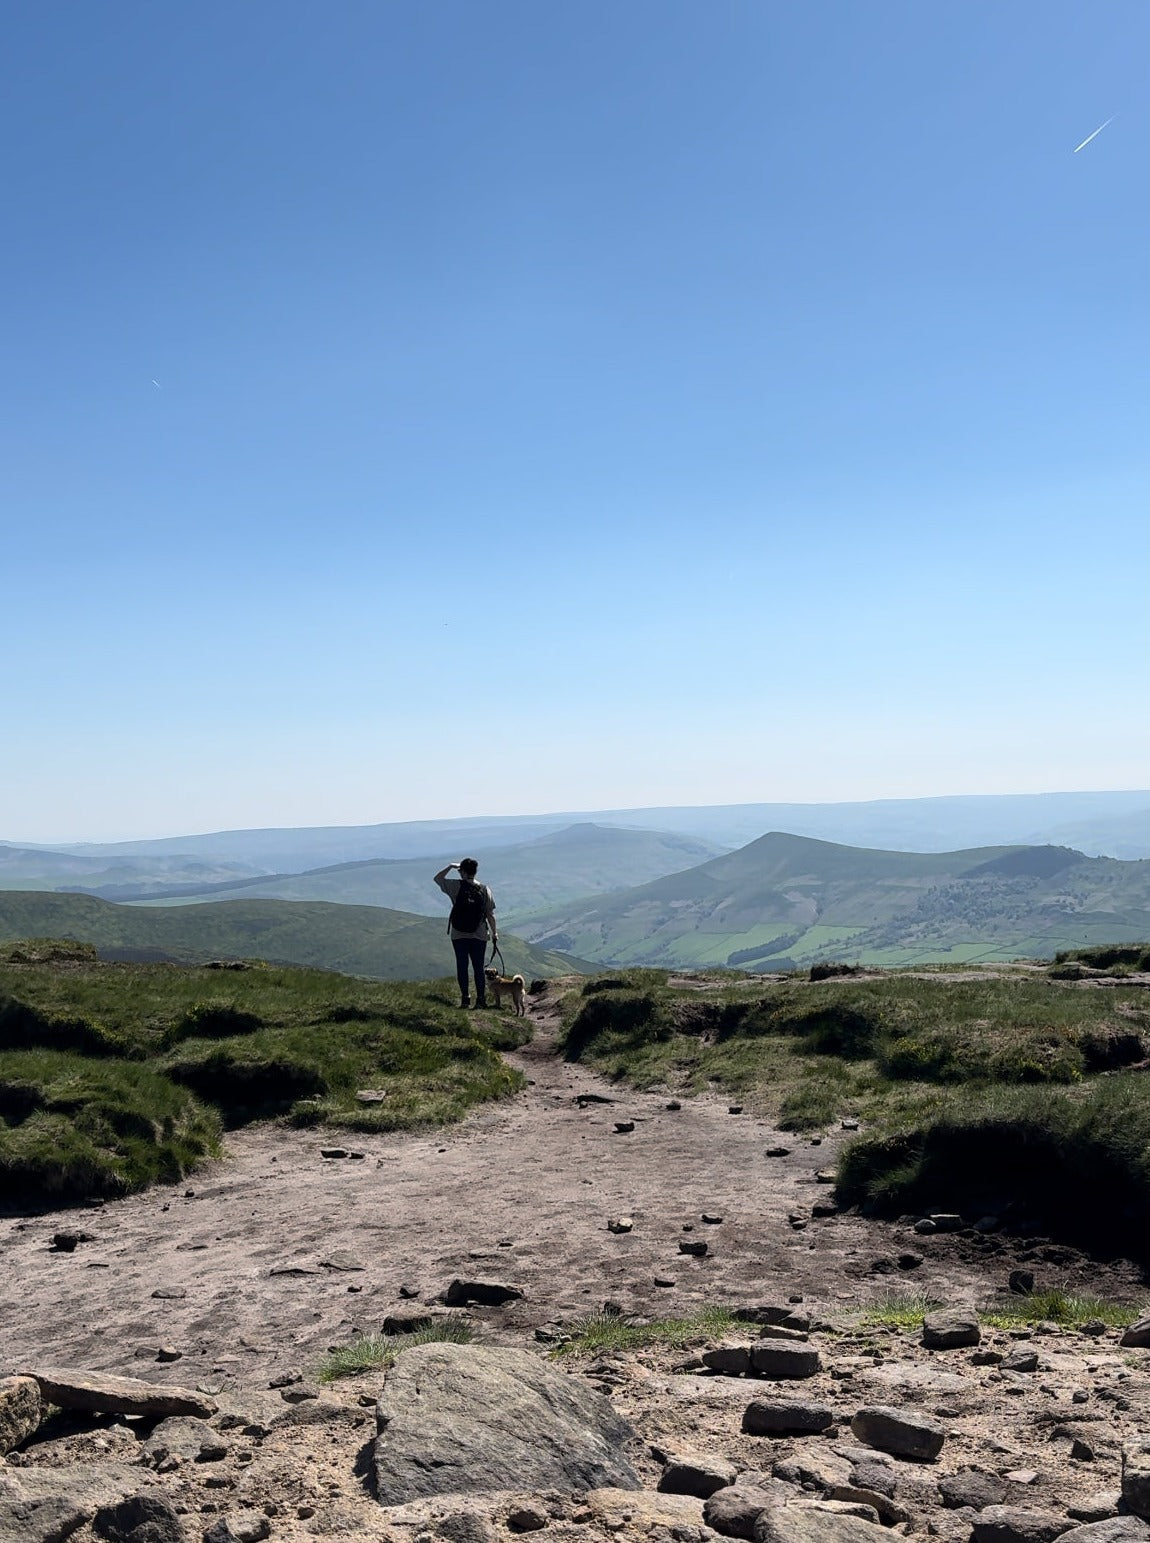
(518, 1194)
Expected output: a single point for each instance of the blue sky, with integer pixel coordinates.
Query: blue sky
(567, 406)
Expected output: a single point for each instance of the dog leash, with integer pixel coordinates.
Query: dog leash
(495, 949)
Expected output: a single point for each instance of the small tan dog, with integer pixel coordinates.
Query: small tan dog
(515, 987)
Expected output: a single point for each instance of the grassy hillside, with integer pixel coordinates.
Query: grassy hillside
(567, 865)
(358, 940)
(115, 1076)
(1013, 1095)
(785, 901)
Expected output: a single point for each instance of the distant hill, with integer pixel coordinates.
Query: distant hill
(788, 900)
(555, 869)
(357, 940)
(1114, 823)
(40, 868)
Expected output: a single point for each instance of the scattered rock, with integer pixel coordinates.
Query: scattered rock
(691, 1473)
(778, 1151)
(784, 1361)
(818, 1522)
(624, 1127)
(730, 1360)
(239, 1527)
(342, 1259)
(169, 1353)
(457, 1418)
(733, 1512)
(21, 1409)
(900, 1432)
(170, 1293)
(1137, 1335)
(950, 1329)
(1136, 1476)
(785, 1417)
(734, 1109)
(711, 1220)
(971, 1487)
(667, 1282)
(67, 1242)
(1111, 1529)
(185, 1438)
(100, 1393)
(484, 1293)
(139, 1519)
(527, 1518)
(1012, 1524)
(620, 1224)
(1020, 1361)
(333, 1152)
(908, 1260)
(694, 1246)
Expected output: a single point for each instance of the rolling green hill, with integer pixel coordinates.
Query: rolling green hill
(35, 868)
(789, 900)
(357, 940)
(550, 870)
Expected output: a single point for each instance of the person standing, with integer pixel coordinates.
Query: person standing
(471, 923)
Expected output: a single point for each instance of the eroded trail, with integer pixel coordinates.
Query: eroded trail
(518, 1194)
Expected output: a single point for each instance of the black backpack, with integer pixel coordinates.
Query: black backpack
(470, 907)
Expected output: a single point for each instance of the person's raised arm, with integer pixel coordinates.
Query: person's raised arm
(442, 875)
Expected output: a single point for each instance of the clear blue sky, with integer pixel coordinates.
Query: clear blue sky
(568, 406)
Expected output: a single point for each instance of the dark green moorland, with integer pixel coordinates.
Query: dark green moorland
(116, 1076)
(354, 939)
(1019, 1094)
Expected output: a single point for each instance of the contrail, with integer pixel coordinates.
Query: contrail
(1095, 134)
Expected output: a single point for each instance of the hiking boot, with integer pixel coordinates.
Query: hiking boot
(480, 1002)
(465, 1002)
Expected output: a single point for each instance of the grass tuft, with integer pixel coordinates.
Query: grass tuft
(597, 1332)
(373, 1352)
(899, 1309)
(1057, 1307)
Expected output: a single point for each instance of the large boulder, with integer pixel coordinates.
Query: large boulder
(1015, 1524)
(48, 1505)
(1137, 1335)
(465, 1418)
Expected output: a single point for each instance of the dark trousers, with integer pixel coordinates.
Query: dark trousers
(473, 951)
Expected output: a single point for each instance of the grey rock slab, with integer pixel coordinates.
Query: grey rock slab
(644, 1510)
(782, 1362)
(466, 1418)
(101, 1393)
(818, 1466)
(1014, 1524)
(694, 1473)
(21, 1408)
(950, 1329)
(1136, 1476)
(875, 1501)
(1137, 1335)
(785, 1417)
(733, 1512)
(139, 1519)
(36, 1519)
(812, 1524)
(900, 1432)
(1100, 1507)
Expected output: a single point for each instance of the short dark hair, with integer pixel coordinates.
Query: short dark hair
(468, 867)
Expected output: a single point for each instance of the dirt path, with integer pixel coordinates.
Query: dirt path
(519, 1194)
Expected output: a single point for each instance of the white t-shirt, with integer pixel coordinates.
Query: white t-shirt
(486, 927)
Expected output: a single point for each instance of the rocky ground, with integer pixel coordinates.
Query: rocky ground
(236, 1285)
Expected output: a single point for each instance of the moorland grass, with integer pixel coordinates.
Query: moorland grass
(999, 1094)
(373, 1352)
(603, 1331)
(115, 1076)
